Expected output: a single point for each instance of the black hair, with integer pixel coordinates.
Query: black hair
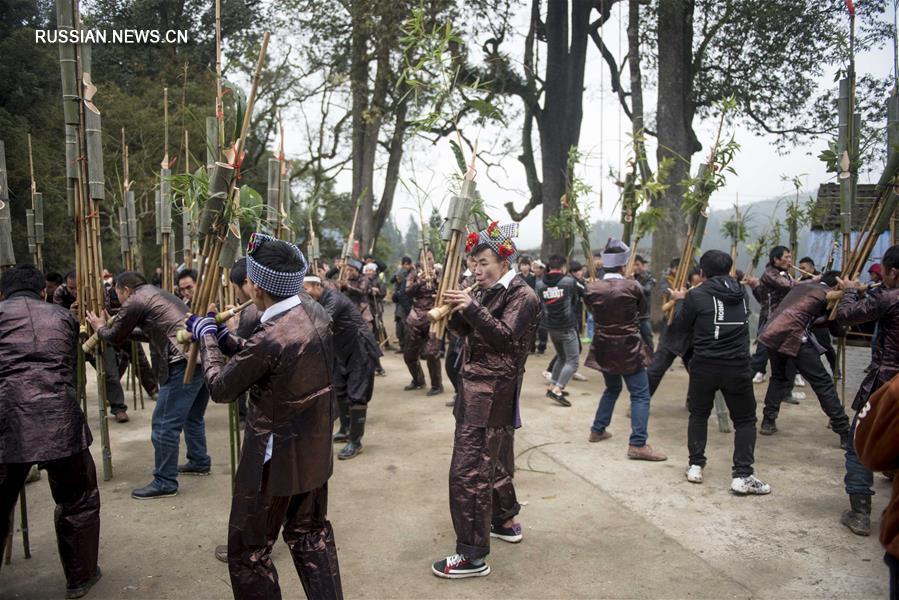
(715, 262)
(575, 266)
(406, 261)
(597, 254)
(555, 262)
(186, 273)
(524, 260)
(639, 258)
(739, 274)
(807, 259)
(71, 275)
(830, 278)
(54, 277)
(130, 279)
(279, 256)
(675, 263)
(693, 271)
(24, 278)
(238, 272)
(890, 259)
(777, 253)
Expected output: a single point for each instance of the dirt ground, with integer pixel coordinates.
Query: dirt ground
(596, 525)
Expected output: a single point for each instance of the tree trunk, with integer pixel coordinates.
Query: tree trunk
(676, 139)
(560, 123)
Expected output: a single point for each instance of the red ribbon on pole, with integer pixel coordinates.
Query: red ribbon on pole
(850, 7)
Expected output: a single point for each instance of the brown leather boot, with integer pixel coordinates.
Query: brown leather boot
(598, 437)
(645, 453)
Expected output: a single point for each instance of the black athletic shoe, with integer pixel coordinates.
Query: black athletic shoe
(844, 440)
(560, 398)
(190, 469)
(414, 386)
(150, 491)
(459, 567)
(511, 534)
(768, 427)
(80, 590)
(435, 391)
(380, 372)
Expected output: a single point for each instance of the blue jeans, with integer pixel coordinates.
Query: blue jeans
(568, 351)
(858, 479)
(638, 387)
(590, 326)
(179, 406)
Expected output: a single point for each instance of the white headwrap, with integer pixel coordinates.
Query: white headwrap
(615, 259)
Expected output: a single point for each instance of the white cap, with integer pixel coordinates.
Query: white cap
(312, 279)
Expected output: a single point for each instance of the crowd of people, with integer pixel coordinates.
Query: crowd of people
(306, 351)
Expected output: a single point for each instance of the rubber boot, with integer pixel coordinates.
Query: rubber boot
(436, 376)
(343, 411)
(357, 429)
(858, 517)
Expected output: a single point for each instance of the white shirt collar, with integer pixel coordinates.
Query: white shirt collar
(506, 279)
(278, 307)
(612, 276)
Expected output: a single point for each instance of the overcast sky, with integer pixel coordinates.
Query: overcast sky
(604, 141)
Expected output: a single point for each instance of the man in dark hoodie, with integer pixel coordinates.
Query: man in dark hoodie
(559, 294)
(715, 312)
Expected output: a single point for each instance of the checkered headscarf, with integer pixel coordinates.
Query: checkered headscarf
(281, 284)
(498, 238)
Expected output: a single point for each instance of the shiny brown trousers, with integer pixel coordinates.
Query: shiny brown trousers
(253, 528)
(480, 485)
(73, 484)
(420, 344)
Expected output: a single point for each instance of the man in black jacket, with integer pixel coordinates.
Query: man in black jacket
(402, 305)
(559, 294)
(715, 311)
(356, 354)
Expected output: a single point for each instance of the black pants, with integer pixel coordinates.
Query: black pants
(735, 383)
(452, 360)
(662, 360)
(115, 394)
(823, 336)
(73, 484)
(809, 365)
(893, 564)
(542, 338)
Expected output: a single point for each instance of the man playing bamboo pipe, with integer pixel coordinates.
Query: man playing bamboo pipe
(716, 317)
(858, 307)
(356, 354)
(419, 342)
(357, 288)
(159, 315)
(787, 337)
(42, 422)
(286, 460)
(618, 350)
(497, 325)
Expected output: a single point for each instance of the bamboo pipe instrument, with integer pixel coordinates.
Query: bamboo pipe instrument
(438, 313)
(90, 344)
(183, 335)
(803, 271)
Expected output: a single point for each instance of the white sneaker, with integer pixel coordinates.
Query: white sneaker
(744, 486)
(547, 376)
(578, 377)
(694, 474)
(798, 381)
(759, 378)
(797, 396)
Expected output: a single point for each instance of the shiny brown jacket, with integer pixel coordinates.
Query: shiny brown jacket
(286, 366)
(498, 328)
(774, 285)
(359, 291)
(882, 306)
(40, 419)
(805, 304)
(876, 433)
(617, 347)
(422, 297)
(153, 313)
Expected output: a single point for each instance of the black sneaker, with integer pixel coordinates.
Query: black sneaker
(560, 398)
(768, 427)
(191, 469)
(150, 491)
(414, 386)
(844, 440)
(507, 534)
(459, 567)
(380, 372)
(80, 590)
(435, 391)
